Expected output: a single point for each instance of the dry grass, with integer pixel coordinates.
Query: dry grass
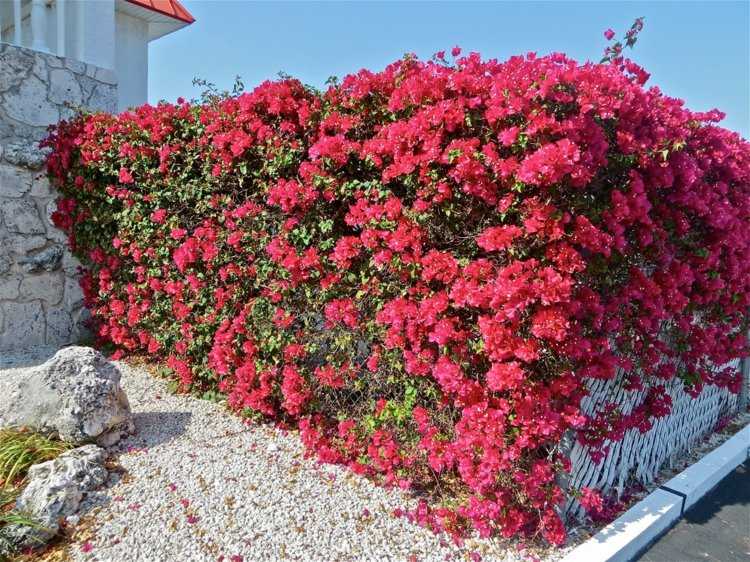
(20, 449)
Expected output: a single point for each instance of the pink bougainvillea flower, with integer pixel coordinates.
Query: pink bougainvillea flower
(125, 176)
(159, 215)
(498, 237)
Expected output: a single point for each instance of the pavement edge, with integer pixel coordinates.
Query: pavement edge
(639, 526)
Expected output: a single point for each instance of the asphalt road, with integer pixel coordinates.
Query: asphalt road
(716, 529)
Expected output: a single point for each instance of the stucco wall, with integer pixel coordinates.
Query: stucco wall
(40, 300)
(131, 60)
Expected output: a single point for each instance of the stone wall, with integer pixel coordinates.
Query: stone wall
(40, 300)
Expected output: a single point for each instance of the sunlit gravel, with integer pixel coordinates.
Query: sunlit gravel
(198, 484)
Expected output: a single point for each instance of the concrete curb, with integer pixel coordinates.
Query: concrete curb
(638, 527)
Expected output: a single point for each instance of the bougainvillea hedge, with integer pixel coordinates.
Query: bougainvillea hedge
(419, 268)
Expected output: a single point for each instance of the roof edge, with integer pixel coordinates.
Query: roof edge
(180, 13)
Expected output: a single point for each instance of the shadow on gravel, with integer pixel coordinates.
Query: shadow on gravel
(155, 428)
(151, 429)
(25, 358)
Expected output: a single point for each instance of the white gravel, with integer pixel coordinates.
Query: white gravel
(199, 485)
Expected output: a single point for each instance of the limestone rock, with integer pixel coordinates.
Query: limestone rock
(75, 395)
(24, 326)
(45, 286)
(59, 325)
(28, 103)
(73, 294)
(70, 264)
(14, 181)
(81, 320)
(26, 154)
(40, 185)
(103, 98)
(55, 491)
(14, 66)
(5, 261)
(48, 259)
(40, 68)
(64, 87)
(106, 75)
(24, 244)
(22, 217)
(75, 65)
(9, 287)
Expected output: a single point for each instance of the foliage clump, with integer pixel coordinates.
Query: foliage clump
(421, 267)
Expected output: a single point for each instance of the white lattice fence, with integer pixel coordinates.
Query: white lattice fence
(639, 456)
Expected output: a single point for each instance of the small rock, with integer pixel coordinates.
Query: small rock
(48, 259)
(26, 154)
(76, 395)
(55, 491)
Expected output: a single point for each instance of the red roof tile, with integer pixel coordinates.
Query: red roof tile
(171, 8)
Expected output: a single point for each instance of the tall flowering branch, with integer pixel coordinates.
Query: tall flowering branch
(613, 53)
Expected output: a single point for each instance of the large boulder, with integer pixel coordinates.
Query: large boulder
(76, 395)
(54, 491)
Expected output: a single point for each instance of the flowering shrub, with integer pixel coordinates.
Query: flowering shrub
(420, 268)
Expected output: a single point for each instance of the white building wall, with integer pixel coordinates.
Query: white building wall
(131, 60)
(96, 33)
(110, 34)
(89, 29)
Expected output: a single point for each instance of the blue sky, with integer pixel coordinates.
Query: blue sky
(697, 51)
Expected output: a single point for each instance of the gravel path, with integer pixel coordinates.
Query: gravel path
(198, 484)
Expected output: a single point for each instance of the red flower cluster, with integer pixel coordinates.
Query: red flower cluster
(422, 267)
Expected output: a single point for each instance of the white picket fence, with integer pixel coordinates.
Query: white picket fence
(638, 457)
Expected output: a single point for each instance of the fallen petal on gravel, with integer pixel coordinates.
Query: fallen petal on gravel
(281, 506)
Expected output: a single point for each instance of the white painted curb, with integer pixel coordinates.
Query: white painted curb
(635, 529)
(698, 479)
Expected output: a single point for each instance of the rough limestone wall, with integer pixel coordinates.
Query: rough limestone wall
(40, 300)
